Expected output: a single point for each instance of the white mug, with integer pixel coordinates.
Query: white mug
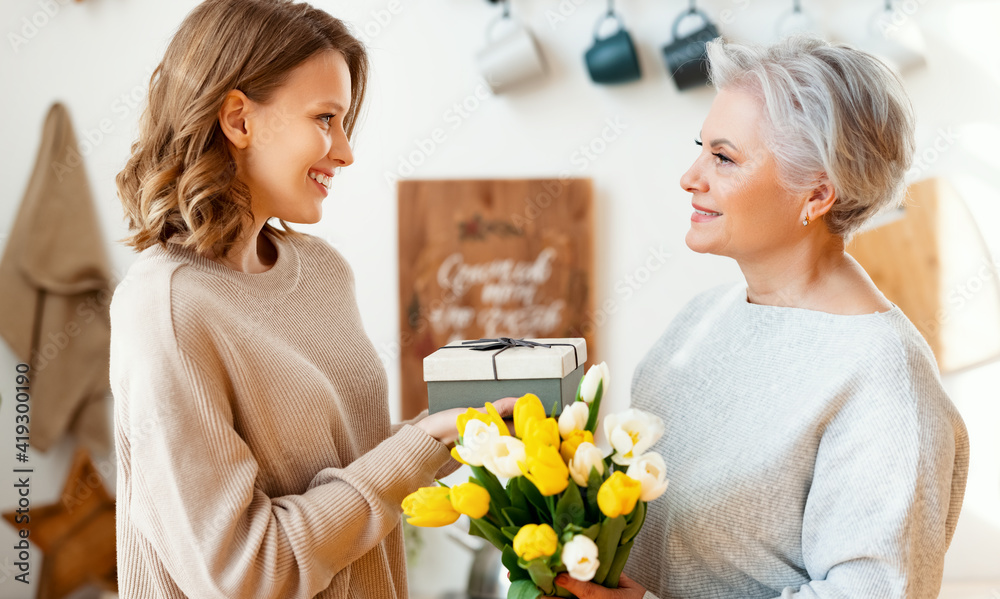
(895, 36)
(796, 22)
(510, 59)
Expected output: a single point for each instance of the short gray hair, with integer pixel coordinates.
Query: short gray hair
(831, 108)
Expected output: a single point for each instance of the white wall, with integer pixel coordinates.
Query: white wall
(96, 57)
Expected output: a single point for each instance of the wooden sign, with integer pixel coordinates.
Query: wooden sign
(491, 258)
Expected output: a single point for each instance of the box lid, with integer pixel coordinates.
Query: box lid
(458, 363)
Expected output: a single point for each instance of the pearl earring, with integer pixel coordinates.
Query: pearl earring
(805, 223)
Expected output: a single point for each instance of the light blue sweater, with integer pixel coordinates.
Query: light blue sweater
(810, 455)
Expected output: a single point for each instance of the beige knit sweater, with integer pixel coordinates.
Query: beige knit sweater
(255, 452)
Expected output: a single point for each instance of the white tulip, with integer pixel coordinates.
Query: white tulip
(631, 433)
(650, 470)
(505, 453)
(580, 558)
(595, 375)
(476, 441)
(587, 456)
(573, 418)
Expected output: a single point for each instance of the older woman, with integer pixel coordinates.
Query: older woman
(811, 447)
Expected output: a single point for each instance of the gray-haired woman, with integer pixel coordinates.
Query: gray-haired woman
(811, 449)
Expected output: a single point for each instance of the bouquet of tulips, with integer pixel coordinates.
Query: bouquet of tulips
(564, 507)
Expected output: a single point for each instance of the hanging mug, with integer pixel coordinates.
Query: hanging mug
(896, 36)
(686, 56)
(796, 22)
(510, 59)
(612, 59)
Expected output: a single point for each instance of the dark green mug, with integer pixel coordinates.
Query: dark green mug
(612, 60)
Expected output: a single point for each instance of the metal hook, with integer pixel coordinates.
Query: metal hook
(611, 8)
(506, 9)
(888, 5)
(694, 7)
(797, 6)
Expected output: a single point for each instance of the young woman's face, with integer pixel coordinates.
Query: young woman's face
(297, 140)
(736, 175)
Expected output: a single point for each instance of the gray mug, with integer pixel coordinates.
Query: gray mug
(686, 57)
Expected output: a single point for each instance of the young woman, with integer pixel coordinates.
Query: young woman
(255, 453)
(813, 452)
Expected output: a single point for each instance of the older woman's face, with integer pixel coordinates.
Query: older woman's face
(735, 177)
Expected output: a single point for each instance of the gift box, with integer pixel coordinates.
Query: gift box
(469, 373)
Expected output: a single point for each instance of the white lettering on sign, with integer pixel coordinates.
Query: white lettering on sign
(504, 282)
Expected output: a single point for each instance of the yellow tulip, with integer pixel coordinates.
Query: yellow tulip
(458, 458)
(571, 441)
(430, 506)
(527, 408)
(490, 417)
(618, 495)
(542, 431)
(545, 468)
(497, 419)
(470, 499)
(534, 541)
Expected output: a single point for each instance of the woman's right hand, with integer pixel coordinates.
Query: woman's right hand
(441, 425)
(627, 588)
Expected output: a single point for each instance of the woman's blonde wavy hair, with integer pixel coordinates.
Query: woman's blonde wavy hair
(181, 178)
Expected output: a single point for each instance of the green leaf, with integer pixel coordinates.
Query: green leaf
(607, 545)
(491, 533)
(517, 498)
(498, 496)
(475, 531)
(516, 517)
(569, 509)
(535, 498)
(580, 386)
(592, 532)
(617, 565)
(510, 531)
(509, 560)
(552, 412)
(595, 408)
(593, 486)
(561, 592)
(523, 589)
(542, 575)
(638, 517)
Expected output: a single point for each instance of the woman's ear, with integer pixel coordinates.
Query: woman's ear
(233, 118)
(821, 198)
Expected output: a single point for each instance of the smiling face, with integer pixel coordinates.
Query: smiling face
(296, 141)
(736, 177)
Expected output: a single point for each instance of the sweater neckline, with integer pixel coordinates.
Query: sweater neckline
(278, 280)
(744, 305)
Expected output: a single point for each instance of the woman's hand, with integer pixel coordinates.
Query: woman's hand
(441, 425)
(627, 588)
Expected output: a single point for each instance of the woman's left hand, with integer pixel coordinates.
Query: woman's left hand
(441, 425)
(627, 588)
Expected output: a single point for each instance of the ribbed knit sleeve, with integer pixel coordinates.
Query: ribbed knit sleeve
(199, 514)
(876, 512)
